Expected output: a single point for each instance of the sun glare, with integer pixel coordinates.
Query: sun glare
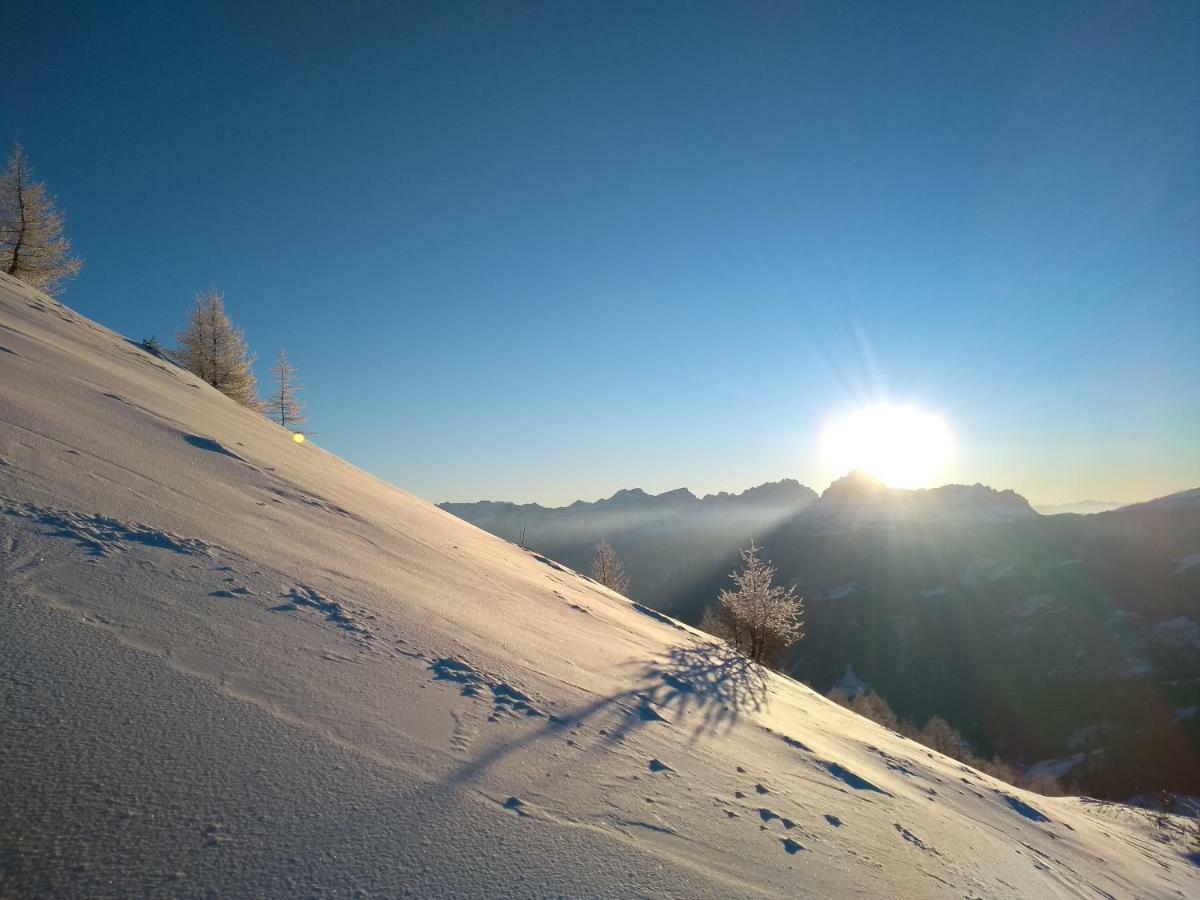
(902, 446)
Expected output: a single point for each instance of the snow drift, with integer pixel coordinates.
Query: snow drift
(232, 664)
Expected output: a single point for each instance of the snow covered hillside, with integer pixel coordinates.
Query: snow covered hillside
(235, 665)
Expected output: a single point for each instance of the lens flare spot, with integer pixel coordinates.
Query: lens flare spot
(298, 438)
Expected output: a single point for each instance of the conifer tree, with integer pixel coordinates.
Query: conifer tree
(284, 405)
(32, 246)
(607, 568)
(214, 351)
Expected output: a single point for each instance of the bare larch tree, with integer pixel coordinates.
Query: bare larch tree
(214, 351)
(32, 246)
(607, 568)
(284, 404)
(759, 618)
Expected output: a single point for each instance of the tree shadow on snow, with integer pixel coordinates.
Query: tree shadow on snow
(711, 679)
(698, 688)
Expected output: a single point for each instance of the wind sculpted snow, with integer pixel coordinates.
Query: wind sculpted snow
(235, 665)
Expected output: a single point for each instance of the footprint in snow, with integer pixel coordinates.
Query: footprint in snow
(844, 775)
(516, 805)
(659, 766)
(792, 742)
(760, 789)
(792, 847)
(913, 839)
(767, 815)
(232, 592)
(648, 713)
(334, 612)
(1023, 808)
(833, 820)
(506, 700)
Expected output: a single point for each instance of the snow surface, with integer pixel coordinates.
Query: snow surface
(1065, 562)
(1181, 629)
(841, 591)
(233, 665)
(1136, 665)
(1033, 604)
(1186, 563)
(980, 571)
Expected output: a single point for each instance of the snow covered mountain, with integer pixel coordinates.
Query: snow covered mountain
(234, 665)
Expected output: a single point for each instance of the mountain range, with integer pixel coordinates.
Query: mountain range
(1064, 640)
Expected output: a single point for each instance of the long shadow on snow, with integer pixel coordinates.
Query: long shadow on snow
(710, 679)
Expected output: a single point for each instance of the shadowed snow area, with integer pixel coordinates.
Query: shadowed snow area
(235, 665)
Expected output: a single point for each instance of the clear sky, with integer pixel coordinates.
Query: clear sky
(542, 251)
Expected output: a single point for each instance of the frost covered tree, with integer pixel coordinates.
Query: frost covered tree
(759, 618)
(607, 568)
(214, 351)
(32, 246)
(871, 706)
(284, 405)
(940, 735)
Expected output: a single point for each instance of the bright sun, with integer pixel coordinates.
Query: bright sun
(900, 445)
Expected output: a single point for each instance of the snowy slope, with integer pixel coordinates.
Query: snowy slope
(234, 665)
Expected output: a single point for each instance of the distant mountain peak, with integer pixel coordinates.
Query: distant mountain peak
(854, 485)
(871, 498)
(636, 497)
(1186, 499)
(677, 494)
(629, 492)
(786, 491)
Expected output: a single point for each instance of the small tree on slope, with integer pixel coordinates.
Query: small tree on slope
(214, 351)
(759, 618)
(607, 568)
(32, 246)
(284, 405)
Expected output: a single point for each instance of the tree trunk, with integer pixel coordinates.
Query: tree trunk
(14, 265)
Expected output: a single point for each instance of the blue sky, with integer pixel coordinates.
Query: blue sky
(543, 251)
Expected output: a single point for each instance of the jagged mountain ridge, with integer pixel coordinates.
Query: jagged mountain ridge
(784, 494)
(761, 507)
